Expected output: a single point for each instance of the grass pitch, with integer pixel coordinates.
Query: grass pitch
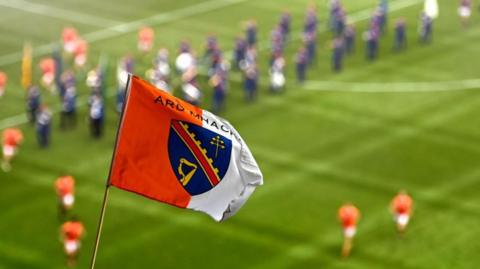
(341, 137)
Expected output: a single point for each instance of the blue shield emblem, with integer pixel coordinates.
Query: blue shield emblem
(199, 157)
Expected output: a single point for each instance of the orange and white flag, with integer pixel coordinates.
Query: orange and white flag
(171, 151)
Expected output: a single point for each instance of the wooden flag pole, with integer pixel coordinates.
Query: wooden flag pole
(107, 188)
(99, 228)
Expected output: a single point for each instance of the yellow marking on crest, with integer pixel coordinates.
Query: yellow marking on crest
(186, 177)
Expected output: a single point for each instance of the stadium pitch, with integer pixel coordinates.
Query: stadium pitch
(406, 121)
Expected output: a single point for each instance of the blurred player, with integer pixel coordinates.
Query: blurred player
(371, 44)
(12, 138)
(339, 21)
(162, 64)
(350, 35)
(338, 51)
(219, 83)
(146, 37)
(301, 62)
(94, 80)
(400, 35)
(311, 20)
(426, 28)
(285, 22)
(465, 11)
(3, 83)
(124, 67)
(401, 208)
(310, 41)
(33, 103)
(71, 234)
(44, 119)
(68, 116)
(185, 58)
(251, 33)
(251, 82)
(190, 88)
(96, 115)
(65, 188)
(69, 38)
(277, 74)
(80, 53)
(211, 45)
(47, 67)
(239, 52)
(348, 215)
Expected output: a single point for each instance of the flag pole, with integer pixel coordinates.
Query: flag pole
(107, 187)
(100, 224)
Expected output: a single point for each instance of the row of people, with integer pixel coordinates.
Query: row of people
(187, 66)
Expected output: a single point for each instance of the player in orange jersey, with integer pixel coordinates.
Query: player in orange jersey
(80, 53)
(145, 39)
(348, 215)
(3, 83)
(47, 66)
(12, 137)
(71, 233)
(401, 208)
(69, 38)
(65, 188)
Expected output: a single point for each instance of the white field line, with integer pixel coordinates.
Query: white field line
(58, 13)
(330, 164)
(392, 87)
(119, 29)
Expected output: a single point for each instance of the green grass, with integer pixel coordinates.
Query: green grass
(317, 150)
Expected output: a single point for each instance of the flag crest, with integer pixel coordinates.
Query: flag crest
(199, 157)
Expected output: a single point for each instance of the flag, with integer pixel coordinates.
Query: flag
(173, 152)
(27, 66)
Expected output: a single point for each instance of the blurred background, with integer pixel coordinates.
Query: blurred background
(406, 118)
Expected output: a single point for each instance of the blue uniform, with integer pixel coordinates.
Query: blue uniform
(96, 115)
(400, 36)
(337, 56)
(285, 21)
(371, 39)
(251, 34)
(426, 29)
(239, 52)
(125, 66)
(33, 103)
(311, 21)
(311, 46)
(350, 39)
(68, 117)
(301, 65)
(251, 81)
(44, 120)
(219, 89)
(339, 22)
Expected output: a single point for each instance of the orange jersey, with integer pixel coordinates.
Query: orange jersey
(402, 204)
(47, 65)
(81, 47)
(65, 185)
(3, 79)
(72, 230)
(348, 215)
(146, 34)
(69, 34)
(12, 137)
